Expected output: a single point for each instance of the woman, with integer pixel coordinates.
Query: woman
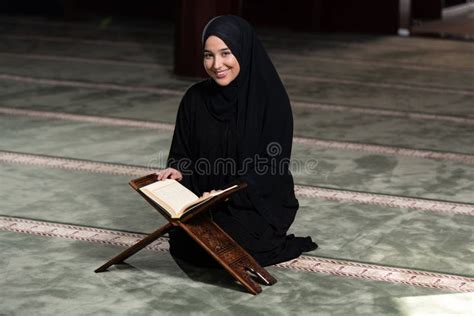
(238, 125)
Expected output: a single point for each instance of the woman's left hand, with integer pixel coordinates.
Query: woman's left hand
(169, 173)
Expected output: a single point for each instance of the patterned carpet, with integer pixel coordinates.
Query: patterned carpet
(383, 162)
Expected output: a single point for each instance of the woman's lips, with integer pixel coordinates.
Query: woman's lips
(221, 74)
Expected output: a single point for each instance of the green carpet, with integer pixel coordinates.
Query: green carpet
(53, 276)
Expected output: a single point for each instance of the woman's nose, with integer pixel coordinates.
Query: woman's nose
(217, 63)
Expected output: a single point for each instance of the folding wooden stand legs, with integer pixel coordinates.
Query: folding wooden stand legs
(127, 253)
(217, 243)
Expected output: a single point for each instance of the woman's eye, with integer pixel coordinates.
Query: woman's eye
(207, 56)
(225, 53)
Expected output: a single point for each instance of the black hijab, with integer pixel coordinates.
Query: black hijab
(259, 108)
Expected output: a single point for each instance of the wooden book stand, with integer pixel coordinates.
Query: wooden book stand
(199, 226)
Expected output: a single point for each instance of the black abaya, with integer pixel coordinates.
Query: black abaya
(242, 131)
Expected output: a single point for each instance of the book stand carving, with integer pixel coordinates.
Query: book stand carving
(216, 242)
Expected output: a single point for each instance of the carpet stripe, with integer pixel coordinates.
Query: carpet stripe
(342, 268)
(385, 150)
(74, 164)
(273, 53)
(406, 44)
(384, 112)
(384, 200)
(295, 104)
(300, 190)
(88, 119)
(412, 87)
(88, 60)
(99, 42)
(400, 86)
(324, 143)
(370, 62)
(430, 88)
(265, 37)
(89, 85)
(300, 104)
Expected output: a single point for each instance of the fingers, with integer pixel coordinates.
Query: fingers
(209, 193)
(206, 194)
(164, 174)
(159, 174)
(176, 175)
(169, 173)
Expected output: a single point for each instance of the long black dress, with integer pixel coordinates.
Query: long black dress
(241, 131)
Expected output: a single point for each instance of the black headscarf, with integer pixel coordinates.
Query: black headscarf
(257, 103)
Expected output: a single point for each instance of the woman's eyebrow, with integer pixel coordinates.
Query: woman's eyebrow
(220, 50)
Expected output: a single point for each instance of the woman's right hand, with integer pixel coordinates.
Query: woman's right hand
(169, 173)
(206, 194)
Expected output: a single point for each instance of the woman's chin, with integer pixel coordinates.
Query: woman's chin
(222, 81)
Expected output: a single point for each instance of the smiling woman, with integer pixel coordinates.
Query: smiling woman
(238, 126)
(219, 62)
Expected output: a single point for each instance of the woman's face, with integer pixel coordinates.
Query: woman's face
(219, 61)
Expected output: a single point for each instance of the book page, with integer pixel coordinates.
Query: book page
(171, 193)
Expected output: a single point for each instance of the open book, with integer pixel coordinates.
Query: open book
(175, 198)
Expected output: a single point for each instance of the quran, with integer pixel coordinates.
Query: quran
(175, 198)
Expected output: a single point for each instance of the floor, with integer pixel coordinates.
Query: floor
(383, 160)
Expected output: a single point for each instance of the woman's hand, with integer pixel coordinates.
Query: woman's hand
(169, 173)
(206, 194)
